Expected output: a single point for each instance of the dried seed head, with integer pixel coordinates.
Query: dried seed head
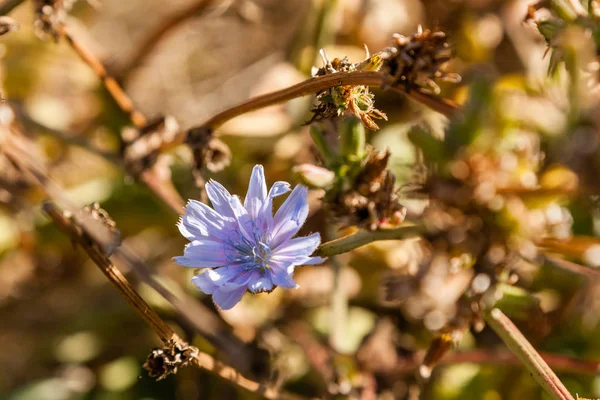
(370, 198)
(142, 146)
(49, 16)
(418, 61)
(347, 100)
(162, 362)
(208, 151)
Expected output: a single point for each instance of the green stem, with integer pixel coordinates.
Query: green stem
(338, 307)
(519, 345)
(361, 238)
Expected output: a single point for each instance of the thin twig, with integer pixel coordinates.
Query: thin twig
(316, 84)
(195, 314)
(8, 5)
(163, 189)
(519, 345)
(65, 222)
(203, 360)
(74, 140)
(361, 238)
(166, 25)
(121, 98)
(558, 362)
(572, 267)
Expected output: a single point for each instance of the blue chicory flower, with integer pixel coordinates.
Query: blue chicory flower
(244, 247)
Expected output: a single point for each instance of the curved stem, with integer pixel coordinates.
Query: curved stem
(316, 84)
(361, 238)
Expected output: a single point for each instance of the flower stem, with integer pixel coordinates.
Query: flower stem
(163, 189)
(339, 305)
(519, 345)
(361, 238)
(316, 84)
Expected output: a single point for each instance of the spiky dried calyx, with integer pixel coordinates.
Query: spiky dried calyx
(142, 146)
(368, 199)
(162, 362)
(344, 100)
(49, 16)
(208, 151)
(418, 61)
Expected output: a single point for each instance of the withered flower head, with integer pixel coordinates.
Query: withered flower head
(347, 100)
(369, 199)
(143, 145)
(162, 362)
(208, 151)
(49, 16)
(419, 60)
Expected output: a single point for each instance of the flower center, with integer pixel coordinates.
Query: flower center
(262, 255)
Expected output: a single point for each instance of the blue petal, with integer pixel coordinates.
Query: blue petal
(219, 198)
(241, 279)
(314, 261)
(279, 188)
(211, 279)
(257, 192)
(203, 254)
(282, 274)
(201, 220)
(244, 222)
(290, 217)
(261, 284)
(225, 300)
(265, 217)
(300, 247)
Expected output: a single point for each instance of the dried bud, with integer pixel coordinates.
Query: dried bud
(418, 61)
(313, 176)
(208, 152)
(438, 349)
(371, 198)
(216, 155)
(162, 362)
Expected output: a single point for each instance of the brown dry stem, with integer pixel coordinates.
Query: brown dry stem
(69, 224)
(316, 84)
(163, 189)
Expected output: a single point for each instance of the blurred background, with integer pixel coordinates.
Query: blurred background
(65, 331)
